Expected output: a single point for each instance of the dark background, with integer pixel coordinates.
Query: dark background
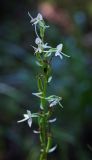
(71, 24)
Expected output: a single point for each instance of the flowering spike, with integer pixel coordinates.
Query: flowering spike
(44, 55)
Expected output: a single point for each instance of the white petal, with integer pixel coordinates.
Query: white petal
(52, 120)
(26, 115)
(49, 79)
(58, 54)
(30, 122)
(61, 57)
(22, 120)
(39, 16)
(29, 113)
(60, 104)
(65, 54)
(36, 31)
(34, 48)
(53, 103)
(52, 149)
(41, 107)
(38, 41)
(38, 94)
(30, 15)
(37, 132)
(59, 47)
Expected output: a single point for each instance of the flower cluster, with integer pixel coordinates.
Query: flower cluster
(40, 45)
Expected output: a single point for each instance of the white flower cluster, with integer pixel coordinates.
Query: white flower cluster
(41, 47)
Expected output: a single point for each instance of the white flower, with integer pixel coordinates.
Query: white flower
(54, 100)
(28, 117)
(59, 51)
(41, 45)
(37, 19)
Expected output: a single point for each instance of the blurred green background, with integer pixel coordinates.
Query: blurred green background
(71, 24)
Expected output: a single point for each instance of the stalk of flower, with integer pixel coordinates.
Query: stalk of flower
(44, 55)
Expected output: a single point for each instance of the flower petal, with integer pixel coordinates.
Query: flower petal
(38, 41)
(49, 79)
(30, 15)
(52, 120)
(58, 54)
(30, 122)
(39, 16)
(52, 149)
(65, 54)
(41, 107)
(26, 115)
(59, 47)
(22, 120)
(53, 103)
(29, 113)
(38, 94)
(37, 132)
(60, 104)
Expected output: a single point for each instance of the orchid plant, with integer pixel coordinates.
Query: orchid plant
(44, 55)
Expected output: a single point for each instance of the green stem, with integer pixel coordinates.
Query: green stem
(43, 122)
